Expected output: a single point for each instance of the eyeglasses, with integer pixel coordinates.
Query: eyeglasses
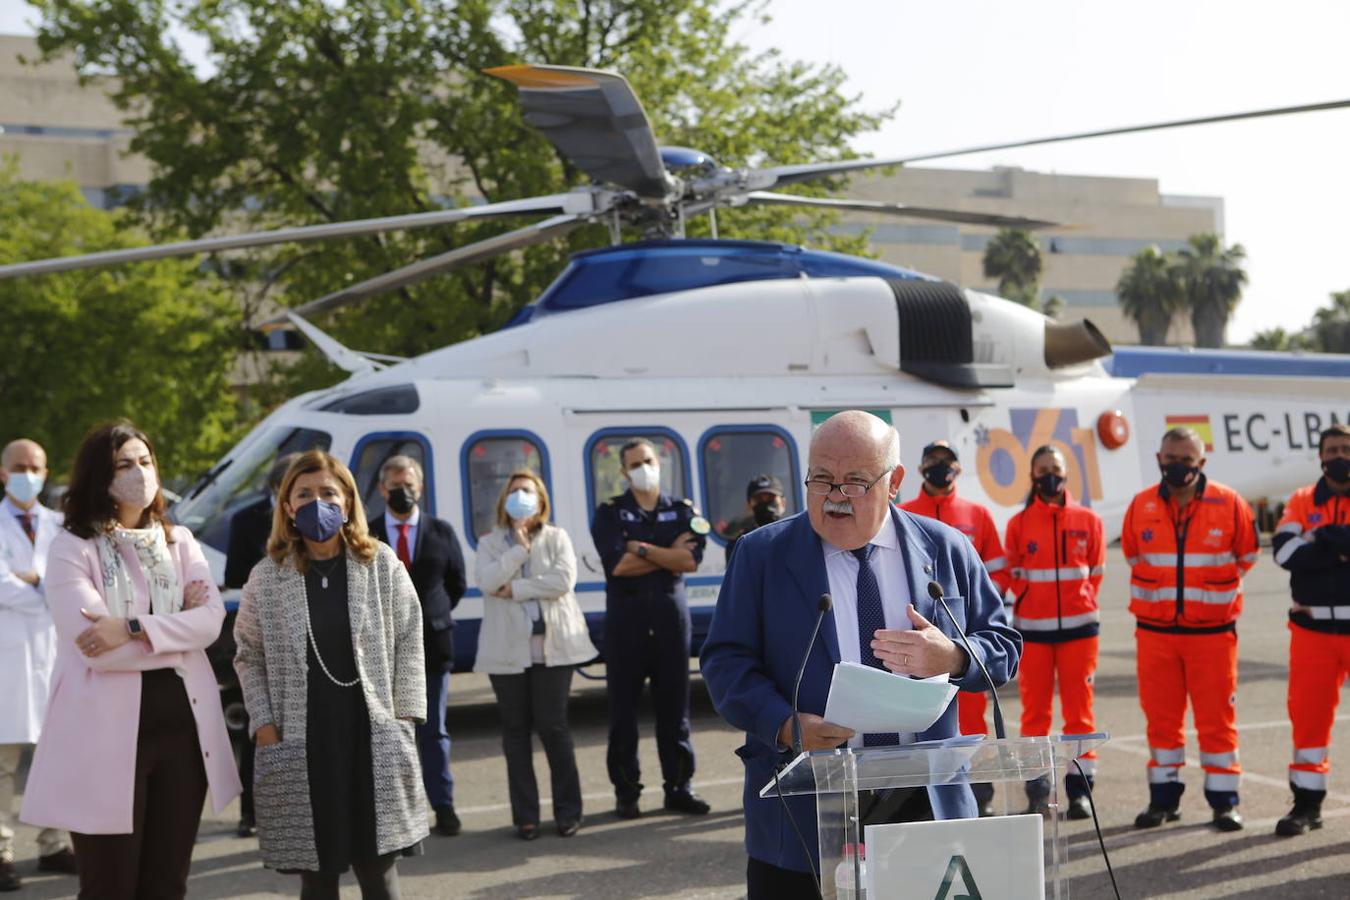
(852, 489)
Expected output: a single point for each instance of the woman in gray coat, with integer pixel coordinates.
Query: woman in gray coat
(331, 664)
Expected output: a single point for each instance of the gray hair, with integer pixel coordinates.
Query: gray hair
(398, 464)
(861, 423)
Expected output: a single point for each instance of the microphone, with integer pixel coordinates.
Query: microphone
(935, 591)
(822, 607)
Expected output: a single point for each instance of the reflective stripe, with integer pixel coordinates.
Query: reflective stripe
(1249, 557)
(996, 564)
(1131, 561)
(1162, 756)
(1309, 781)
(1289, 528)
(1164, 775)
(1327, 613)
(1190, 559)
(1312, 756)
(1289, 548)
(1067, 572)
(1219, 760)
(1167, 594)
(1222, 782)
(1054, 623)
(1095, 571)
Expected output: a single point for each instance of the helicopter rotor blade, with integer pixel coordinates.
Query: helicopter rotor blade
(594, 119)
(530, 206)
(957, 216)
(536, 233)
(780, 175)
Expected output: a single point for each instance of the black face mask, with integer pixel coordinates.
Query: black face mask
(1179, 475)
(401, 501)
(765, 513)
(939, 475)
(1337, 469)
(1050, 485)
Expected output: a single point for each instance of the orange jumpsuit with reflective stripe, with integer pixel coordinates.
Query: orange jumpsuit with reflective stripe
(975, 522)
(1319, 623)
(1186, 567)
(1056, 555)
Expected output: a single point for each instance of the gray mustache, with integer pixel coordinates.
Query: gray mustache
(843, 506)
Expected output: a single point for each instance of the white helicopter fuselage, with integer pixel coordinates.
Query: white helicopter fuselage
(732, 378)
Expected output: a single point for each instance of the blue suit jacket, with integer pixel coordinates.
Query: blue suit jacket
(764, 616)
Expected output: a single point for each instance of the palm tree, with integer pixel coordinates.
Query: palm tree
(1150, 294)
(1331, 325)
(1014, 258)
(1212, 279)
(1272, 339)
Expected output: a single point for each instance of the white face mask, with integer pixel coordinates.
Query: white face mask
(135, 487)
(645, 477)
(521, 504)
(24, 486)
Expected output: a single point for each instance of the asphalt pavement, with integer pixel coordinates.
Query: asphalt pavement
(665, 855)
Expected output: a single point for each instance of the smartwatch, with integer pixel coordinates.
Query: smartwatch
(134, 628)
(642, 551)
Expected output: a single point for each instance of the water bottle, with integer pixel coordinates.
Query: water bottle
(845, 885)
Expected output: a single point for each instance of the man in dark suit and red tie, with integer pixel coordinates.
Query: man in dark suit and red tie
(430, 549)
(876, 561)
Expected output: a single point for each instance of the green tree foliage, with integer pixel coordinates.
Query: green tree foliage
(1013, 257)
(1275, 339)
(1330, 328)
(1150, 294)
(1212, 279)
(318, 111)
(154, 343)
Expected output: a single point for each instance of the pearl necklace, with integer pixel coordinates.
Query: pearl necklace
(314, 645)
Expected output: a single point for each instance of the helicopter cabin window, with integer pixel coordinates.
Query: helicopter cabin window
(606, 470)
(730, 457)
(209, 505)
(488, 462)
(371, 455)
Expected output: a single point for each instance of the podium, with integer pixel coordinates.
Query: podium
(835, 777)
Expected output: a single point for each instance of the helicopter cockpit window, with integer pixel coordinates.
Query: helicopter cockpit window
(373, 453)
(730, 457)
(488, 462)
(208, 506)
(606, 471)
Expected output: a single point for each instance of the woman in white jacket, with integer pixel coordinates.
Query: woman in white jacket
(533, 635)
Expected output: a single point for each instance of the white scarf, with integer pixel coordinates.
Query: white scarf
(152, 552)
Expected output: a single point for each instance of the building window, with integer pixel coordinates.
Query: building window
(728, 458)
(489, 459)
(605, 472)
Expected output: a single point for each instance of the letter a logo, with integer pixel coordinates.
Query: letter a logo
(956, 867)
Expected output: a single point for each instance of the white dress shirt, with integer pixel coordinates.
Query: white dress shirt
(888, 565)
(392, 522)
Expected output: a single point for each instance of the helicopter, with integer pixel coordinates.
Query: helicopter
(649, 339)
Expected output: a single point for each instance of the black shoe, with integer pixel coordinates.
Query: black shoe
(1155, 816)
(569, 828)
(1078, 809)
(627, 809)
(447, 823)
(9, 877)
(686, 802)
(527, 832)
(62, 862)
(247, 827)
(1227, 819)
(1038, 808)
(1301, 820)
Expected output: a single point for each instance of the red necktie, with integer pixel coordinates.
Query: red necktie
(402, 549)
(26, 519)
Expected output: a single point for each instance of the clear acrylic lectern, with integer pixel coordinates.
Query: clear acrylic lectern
(836, 776)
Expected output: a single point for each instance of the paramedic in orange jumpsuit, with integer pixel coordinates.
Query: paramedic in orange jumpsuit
(1056, 553)
(1188, 542)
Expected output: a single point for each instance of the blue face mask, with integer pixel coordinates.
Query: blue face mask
(521, 504)
(24, 486)
(319, 520)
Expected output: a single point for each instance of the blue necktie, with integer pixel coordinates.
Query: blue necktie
(871, 618)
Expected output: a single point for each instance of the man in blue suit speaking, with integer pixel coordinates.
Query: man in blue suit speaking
(876, 562)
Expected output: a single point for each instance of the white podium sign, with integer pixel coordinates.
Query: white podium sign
(980, 859)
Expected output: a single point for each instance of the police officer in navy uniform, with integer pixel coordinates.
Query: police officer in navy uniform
(647, 540)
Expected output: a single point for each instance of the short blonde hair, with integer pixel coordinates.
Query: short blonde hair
(541, 515)
(285, 539)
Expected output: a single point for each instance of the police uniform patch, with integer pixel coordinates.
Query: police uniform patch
(699, 525)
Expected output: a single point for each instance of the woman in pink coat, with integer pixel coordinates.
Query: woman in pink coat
(134, 734)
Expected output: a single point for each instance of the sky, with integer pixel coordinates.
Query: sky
(985, 71)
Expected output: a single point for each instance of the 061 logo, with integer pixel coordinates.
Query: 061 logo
(1004, 459)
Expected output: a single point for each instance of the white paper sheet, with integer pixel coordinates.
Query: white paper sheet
(871, 700)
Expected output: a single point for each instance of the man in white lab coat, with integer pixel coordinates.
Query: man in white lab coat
(27, 642)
